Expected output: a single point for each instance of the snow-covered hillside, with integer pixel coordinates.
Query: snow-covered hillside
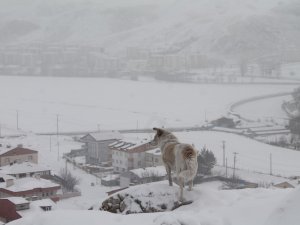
(211, 206)
(218, 27)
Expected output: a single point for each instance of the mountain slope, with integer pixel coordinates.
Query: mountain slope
(217, 27)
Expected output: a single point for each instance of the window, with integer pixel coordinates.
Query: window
(30, 157)
(7, 160)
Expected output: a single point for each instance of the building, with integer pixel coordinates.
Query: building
(13, 208)
(128, 155)
(224, 122)
(153, 158)
(17, 155)
(97, 144)
(142, 176)
(10, 206)
(284, 185)
(28, 187)
(25, 169)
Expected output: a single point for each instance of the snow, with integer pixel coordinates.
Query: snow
(287, 212)
(25, 167)
(150, 171)
(128, 105)
(155, 151)
(211, 206)
(17, 200)
(30, 183)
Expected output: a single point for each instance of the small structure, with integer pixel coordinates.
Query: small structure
(25, 169)
(97, 144)
(284, 185)
(224, 122)
(142, 176)
(111, 180)
(17, 155)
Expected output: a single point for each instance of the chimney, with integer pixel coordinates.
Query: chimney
(20, 146)
(9, 182)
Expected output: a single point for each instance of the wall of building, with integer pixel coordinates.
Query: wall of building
(6, 160)
(98, 152)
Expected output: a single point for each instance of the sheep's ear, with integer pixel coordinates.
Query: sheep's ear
(159, 131)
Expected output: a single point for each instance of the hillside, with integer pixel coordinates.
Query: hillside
(211, 206)
(218, 27)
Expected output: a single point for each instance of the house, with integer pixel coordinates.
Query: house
(284, 185)
(18, 154)
(97, 144)
(224, 122)
(129, 154)
(153, 157)
(25, 169)
(142, 176)
(28, 187)
(12, 208)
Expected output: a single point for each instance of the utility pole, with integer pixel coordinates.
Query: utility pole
(17, 119)
(223, 146)
(50, 143)
(226, 169)
(270, 163)
(57, 136)
(234, 162)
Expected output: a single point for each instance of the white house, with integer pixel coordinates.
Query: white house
(25, 169)
(128, 155)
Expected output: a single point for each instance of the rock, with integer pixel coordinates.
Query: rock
(122, 206)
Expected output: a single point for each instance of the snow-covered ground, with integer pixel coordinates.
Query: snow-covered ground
(82, 104)
(91, 103)
(211, 206)
(265, 109)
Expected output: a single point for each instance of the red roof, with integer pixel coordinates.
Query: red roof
(19, 151)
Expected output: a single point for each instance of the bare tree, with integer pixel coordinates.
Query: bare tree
(68, 180)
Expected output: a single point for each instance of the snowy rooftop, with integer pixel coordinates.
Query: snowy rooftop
(35, 207)
(150, 171)
(17, 200)
(111, 177)
(28, 183)
(25, 167)
(107, 135)
(6, 177)
(129, 143)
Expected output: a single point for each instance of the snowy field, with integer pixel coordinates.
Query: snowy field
(265, 109)
(91, 103)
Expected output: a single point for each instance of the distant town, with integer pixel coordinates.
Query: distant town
(164, 64)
